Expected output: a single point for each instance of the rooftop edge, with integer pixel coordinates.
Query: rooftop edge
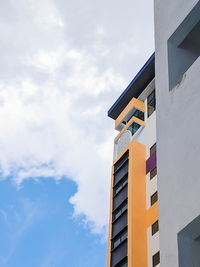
(135, 88)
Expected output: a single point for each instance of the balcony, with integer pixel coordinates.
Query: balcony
(135, 108)
(128, 133)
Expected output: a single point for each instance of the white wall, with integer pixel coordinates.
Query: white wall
(178, 135)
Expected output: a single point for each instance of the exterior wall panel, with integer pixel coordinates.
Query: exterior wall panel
(178, 134)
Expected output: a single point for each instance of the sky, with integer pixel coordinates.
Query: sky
(63, 64)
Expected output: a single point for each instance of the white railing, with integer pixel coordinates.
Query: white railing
(121, 143)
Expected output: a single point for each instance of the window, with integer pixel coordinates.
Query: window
(123, 263)
(120, 185)
(151, 103)
(153, 173)
(184, 47)
(152, 149)
(156, 259)
(155, 228)
(120, 211)
(154, 198)
(121, 162)
(138, 114)
(134, 127)
(119, 239)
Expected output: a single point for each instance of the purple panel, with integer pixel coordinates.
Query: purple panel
(151, 163)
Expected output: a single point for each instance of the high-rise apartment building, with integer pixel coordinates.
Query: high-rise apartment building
(155, 186)
(134, 226)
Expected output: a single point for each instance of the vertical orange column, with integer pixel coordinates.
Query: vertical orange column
(137, 225)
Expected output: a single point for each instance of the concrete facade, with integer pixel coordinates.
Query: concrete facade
(178, 139)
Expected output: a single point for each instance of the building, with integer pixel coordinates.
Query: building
(134, 229)
(177, 65)
(159, 136)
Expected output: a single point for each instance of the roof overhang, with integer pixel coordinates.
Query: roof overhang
(135, 88)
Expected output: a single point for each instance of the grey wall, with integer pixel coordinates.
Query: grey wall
(178, 135)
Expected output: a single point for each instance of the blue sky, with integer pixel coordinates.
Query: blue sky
(63, 64)
(37, 228)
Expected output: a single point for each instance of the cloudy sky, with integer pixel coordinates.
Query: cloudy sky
(63, 64)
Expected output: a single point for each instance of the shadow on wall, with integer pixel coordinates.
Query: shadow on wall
(189, 244)
(184, 47)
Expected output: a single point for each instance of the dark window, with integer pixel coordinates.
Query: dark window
(155, 228)
(121, 162)
(156, 259)
(152, 149)
(120, 198)
(154, 198)
(153, 173)
(124, 263)
(119, 239)
(138, 114)
(119, 254)
(120, 185)
(151, 103)
(117, 213)
(134, 127)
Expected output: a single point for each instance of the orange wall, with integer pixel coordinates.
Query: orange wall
(137, 232)
(133, 103)
(139, 218)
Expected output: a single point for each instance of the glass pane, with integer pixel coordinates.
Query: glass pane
(124, 208)
(120, 186)
(151, 103)
(156, 259)
(152, 149)
(118, 214)
(116, 243)
(135, 127)
(124, 236)
(155, 228)
(139, 114)
(154, 198)
(153, 173)
(121, 161)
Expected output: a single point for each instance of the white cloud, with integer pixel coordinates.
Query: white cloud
(58, 80)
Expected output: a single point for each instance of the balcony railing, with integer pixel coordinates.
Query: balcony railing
(129, 133)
